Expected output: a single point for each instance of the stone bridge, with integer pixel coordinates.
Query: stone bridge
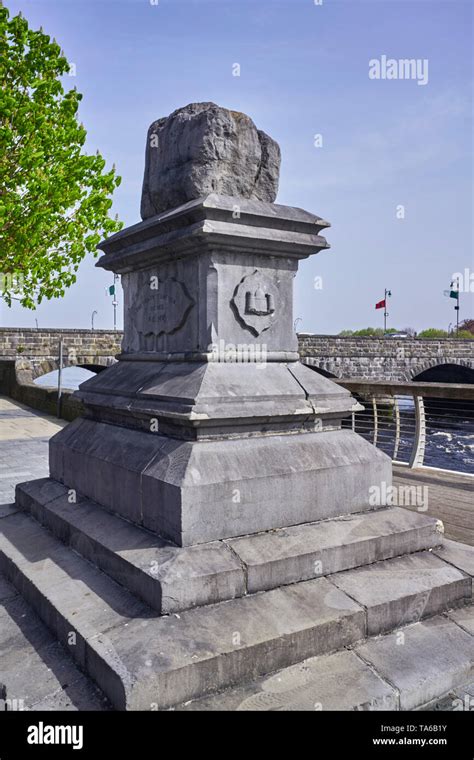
(404, 359)
(92, 349)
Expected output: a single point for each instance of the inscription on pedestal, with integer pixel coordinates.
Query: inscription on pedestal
(163, 311)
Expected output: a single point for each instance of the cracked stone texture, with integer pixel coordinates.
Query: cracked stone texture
(203, 148)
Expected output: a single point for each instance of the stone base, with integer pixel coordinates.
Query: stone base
(171, 579)
(197, 491)
(144, 661)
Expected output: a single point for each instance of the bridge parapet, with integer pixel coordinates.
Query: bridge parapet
(93, 348)
(391, 359)
(396, 359)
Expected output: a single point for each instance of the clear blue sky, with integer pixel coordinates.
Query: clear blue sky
(304, 71)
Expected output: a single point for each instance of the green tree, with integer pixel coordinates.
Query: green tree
(368, 332)
(433, 332)
(54, 198)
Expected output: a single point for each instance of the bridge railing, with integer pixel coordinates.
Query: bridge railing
(417, 424)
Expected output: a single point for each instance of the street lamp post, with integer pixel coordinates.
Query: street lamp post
(94, 313)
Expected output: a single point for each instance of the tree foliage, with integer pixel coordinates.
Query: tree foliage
(368, 332)
(54, 198)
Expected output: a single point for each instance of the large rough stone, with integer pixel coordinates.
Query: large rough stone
(203, 148)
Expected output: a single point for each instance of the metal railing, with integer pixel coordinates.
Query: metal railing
(417, 424)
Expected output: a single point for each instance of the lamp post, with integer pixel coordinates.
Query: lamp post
(92, 318)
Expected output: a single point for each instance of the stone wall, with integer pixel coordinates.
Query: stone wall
(382, 358)
(16, 381)
(364, 358)
(41, 347)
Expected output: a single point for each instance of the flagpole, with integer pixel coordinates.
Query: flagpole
(385, 312)
(457, 308)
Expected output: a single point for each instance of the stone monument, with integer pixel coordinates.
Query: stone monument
(208, 521)
(209, 427)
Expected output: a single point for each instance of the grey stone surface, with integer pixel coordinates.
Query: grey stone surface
(198, 279)
(138, 659)
(68, 593)
(464, 616)
(36, 672)
(422, 661)
(457, 554)
(204, 148)
(213, 647)
(293, 554)
(403, 590)
(20, 459)
(182, 273)
(204, 491)
(338, 681)
(207, 399)
(7, 591)
(169, 579)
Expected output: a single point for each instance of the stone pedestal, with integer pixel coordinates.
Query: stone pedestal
(209, 427)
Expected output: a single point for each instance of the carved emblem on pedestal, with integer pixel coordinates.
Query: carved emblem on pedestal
(254, 302)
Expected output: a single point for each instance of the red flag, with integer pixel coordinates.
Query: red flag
(380, 304)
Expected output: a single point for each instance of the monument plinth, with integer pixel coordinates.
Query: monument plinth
(209, 427)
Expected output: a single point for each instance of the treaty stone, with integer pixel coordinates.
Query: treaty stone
(203, 148)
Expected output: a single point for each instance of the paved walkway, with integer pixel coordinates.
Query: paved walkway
(449, 496)
(24, 434)
(35, 670)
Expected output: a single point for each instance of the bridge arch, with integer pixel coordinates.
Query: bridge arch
(315, 364)
(44, 367)
(450, 371)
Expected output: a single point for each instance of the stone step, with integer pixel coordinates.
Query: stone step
(404, 670)
(171, 579)
(403, 590)
(143, 661)
(36, 672)
(290, 555)
(167, 577)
